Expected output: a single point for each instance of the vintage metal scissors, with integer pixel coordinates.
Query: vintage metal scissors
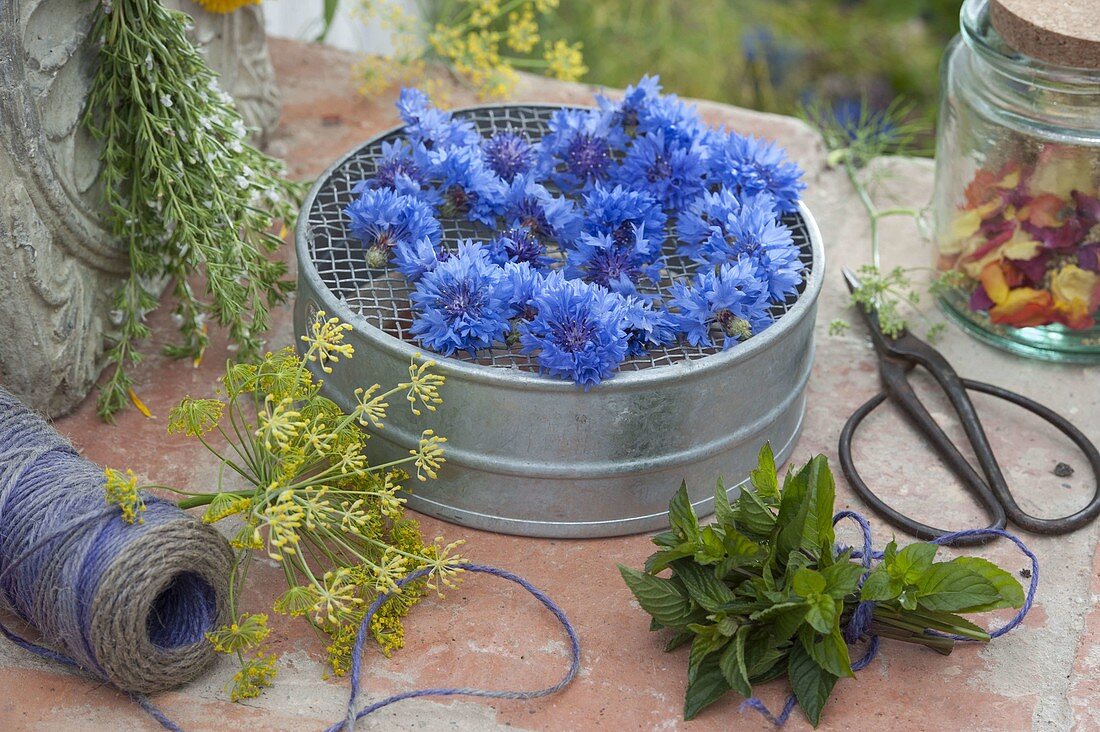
(897, 357)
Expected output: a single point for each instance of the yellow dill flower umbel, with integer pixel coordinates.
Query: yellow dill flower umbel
(122, 491)
(566, 62)
(225, 6)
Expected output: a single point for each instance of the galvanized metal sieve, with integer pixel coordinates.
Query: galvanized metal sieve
(532, 455)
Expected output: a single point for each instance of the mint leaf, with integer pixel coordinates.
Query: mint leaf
(706, 688)
(808, 583)
(660, 560)
(819, 537)
(785, 618)
(912, 562)
(829, 651)
(659, 597)
(703, 587)
(823, 614)
(760, 654)
(880, 586)
(732, 664)
(793, 510)
(951, 587)
(710, 549)
(723, 511)
(1010, 591)
(752, 517)
(765, 478)
(680, 638)
(811, 683)
(841, 579)
(707, 641)
(681, 516)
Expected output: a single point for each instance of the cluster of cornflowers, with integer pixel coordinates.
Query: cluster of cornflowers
(577, 224)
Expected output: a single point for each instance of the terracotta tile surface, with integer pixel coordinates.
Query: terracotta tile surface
(1044, 676)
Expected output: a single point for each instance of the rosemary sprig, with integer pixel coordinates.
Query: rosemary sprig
(183, 190)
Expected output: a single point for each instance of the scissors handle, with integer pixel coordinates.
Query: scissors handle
(998, 500)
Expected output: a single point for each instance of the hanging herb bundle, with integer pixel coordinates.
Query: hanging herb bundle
(183, 190)
(763, 593)
(291, 468)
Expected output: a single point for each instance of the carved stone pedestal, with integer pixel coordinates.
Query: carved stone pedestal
(58, 266)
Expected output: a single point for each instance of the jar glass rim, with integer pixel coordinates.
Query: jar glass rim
(980, 35)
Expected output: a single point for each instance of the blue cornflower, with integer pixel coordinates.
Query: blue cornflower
(623, 214)
(646, 327)
(719, 228)
(400, 168)
(382, 219)
(673, 173)
(577, 149)
(466, 185)
(730, 299)
(525, 283)
(678, 121)
(518, 244)
(626, 114)
(509, 154)
(462, 304)
(413, 259)
(578, 332)
(602, 260)
(750, 166)
(431, 127)
(548, 217)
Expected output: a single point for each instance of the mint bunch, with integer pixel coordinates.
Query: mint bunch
(764, 592)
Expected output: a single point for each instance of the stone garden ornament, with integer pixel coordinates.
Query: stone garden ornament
(60, 266)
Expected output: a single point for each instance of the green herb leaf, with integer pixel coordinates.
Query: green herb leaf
(733, 666)
(785, 618)
(880, 586)
(808, 583)
(703, 587)
(793, 511)
(706, 688)
(950, 587)
(829, 650)
(659, 597)
(1010, 591)
(723, 511)
(752, 517)
(682, 516)
(765, 478)
(912, 562)
(660, 560)
(823, 614)
(707, 641)
(811, 683)
(841, 579)
(710, 549)
(680, 638)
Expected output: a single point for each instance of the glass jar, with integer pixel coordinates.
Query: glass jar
(1017, 199)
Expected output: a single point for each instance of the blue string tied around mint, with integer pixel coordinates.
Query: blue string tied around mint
(859, 627)
(126, 603)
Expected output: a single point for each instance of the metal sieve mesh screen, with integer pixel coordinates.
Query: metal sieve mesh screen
(381, 296)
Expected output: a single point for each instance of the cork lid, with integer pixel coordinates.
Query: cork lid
(1061, 32)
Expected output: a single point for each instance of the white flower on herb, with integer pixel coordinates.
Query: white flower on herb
(166, 100)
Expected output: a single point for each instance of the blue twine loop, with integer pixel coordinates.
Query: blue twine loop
(354, 714)
(859, 626)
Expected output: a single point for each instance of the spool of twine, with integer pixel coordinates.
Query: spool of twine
(127, 603)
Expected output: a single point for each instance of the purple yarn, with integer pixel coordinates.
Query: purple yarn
(58, 538)
(354, 714)
(859, 626)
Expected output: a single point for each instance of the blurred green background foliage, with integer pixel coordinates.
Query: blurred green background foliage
(772, 55)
